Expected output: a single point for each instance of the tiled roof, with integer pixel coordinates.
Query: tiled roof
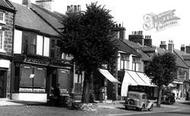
(180, 62)
(27, 19)
(138, 48)
(185, 57)
(124, 47)
(53, 18)
(6, 4)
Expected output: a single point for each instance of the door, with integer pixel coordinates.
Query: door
(3, 75)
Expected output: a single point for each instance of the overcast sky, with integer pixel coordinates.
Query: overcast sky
(130, 13)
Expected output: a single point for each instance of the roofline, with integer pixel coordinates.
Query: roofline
(137, 54)
(181, 59)
(8, 9)
(46, 21)
(35, 31)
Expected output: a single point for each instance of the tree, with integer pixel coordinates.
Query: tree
(88, 37)
(163, 70)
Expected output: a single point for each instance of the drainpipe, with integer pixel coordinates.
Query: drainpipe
(12, 55)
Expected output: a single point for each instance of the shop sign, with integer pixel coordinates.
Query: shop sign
(35, 61)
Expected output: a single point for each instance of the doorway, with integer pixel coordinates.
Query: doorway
(3, 84)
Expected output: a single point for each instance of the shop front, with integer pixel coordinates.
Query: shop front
(34, 78)
(4, 78)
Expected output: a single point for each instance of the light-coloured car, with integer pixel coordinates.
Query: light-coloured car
(138, 100)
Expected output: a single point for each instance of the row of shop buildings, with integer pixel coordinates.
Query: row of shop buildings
(31, 62)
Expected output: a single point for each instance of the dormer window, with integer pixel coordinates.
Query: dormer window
(2, 17)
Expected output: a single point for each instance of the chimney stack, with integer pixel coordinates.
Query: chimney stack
(170, 46)
(73, 9)
(187, 49)
(148, 40)
(163, 45)
(26, 2)
(46, 4)
(183, 48)
(137, 37)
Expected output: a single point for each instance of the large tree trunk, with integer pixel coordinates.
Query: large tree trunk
(88, 87)
(159, 96)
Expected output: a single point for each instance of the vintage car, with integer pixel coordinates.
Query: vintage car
(168, 98)
(138, 100)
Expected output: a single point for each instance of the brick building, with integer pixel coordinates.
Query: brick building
(38, 63)
(7, 14)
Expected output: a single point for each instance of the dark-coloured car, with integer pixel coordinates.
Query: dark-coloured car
(138, 100)
(168, 98)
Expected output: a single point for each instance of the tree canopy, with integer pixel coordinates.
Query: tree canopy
(87, 37)
(162, 68)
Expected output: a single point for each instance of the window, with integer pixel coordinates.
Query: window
(33, 46)
(136, 64)
(2, 17)
(36, 81)
(1, 40)
(124, 63)
(17, 41)
(39, 45)
(46, 46)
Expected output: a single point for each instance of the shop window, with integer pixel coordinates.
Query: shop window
(1, 40)
(32, 77)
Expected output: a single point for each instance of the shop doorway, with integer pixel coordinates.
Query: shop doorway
(3, 84)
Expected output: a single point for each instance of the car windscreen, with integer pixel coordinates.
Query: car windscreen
(134, 96)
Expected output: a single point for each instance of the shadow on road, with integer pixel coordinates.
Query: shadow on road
(180, 113)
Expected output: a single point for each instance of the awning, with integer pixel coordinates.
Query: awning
(134, 78)
(108, 75)
(137, 78)
(178, 82)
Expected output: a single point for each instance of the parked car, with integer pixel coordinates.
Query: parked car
(168, 98)
(138, 100)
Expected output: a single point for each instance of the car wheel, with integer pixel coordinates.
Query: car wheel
(151, 108)
(143, 108)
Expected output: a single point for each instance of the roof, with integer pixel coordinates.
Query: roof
(53, 18)
(138, 48)
(6, 4)
(124, 47)
(182, 59)
(26, 19)
(179, 58)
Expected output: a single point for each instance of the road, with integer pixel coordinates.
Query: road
(180, 110)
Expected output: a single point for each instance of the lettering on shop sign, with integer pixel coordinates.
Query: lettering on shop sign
(35, 61)
(59, 62)
(160, 21)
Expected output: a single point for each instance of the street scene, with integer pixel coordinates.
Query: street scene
(94, 58)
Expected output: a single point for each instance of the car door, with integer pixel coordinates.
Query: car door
(144, 99)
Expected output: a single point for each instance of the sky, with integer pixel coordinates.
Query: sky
(130, 14)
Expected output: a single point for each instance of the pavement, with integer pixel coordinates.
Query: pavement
(111, 108)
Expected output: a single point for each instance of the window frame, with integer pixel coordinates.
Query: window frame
(2, 49)
(3, 20)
